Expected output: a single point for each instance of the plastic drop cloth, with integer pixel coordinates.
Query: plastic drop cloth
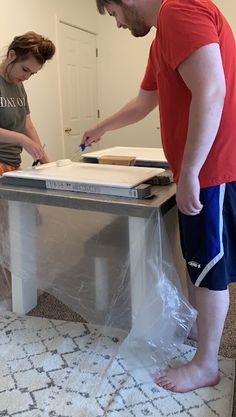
(116, 272)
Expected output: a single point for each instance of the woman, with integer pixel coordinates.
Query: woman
(26, 55)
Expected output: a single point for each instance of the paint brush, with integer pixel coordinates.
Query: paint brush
(82, 147)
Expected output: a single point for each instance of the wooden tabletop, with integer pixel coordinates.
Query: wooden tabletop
(163, 197)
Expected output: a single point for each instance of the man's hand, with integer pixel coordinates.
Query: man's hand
(187, 196)
(92, 135)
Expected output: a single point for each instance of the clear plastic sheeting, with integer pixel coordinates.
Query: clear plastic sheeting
(115, 271)
(164, 318)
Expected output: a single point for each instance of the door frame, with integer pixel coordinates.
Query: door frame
(58, 21)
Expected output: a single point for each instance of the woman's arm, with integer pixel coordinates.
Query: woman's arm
(34, 149)
(31, 132)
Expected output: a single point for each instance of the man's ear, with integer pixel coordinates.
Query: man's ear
(11, 55)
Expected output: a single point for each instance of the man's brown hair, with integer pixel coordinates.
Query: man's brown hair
(101, 4)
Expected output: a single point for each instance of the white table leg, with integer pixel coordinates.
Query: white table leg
(170, 220)
(22, 229)
(101, 282)
(137, 247)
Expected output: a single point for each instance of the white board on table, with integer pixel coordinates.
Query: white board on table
(110, 175)
(141, 154)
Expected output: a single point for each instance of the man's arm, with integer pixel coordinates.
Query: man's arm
(203, 74)
(131, 113)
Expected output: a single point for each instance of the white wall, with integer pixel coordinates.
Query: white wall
(43, 89)
(228, 7)
(121, 66)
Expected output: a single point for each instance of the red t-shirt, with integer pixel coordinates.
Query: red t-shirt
(184, 26)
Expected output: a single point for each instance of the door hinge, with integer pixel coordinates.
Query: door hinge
(98, 113)
(96, 52)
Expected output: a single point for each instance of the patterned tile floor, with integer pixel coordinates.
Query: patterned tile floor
(52, 368)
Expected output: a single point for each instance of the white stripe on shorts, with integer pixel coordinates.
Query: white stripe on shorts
(221, 253)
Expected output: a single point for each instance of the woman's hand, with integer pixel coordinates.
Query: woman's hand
(34, 149)
(44, 159)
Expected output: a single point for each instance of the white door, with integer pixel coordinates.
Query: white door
(78, 78)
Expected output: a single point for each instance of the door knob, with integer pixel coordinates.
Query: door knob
(68, 130)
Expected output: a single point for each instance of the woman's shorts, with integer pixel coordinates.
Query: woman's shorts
(6, 168)
(208, 240)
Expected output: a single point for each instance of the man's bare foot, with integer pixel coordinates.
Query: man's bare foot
(187, 378)
(193, 335)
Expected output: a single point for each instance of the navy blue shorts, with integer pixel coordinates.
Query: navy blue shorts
(208, 240)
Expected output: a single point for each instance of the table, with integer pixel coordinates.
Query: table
(22, 201)
(150, 157)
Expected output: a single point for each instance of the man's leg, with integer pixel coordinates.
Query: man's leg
(212, 307)
(192, 299)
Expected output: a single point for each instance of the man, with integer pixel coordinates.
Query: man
(192, 65)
